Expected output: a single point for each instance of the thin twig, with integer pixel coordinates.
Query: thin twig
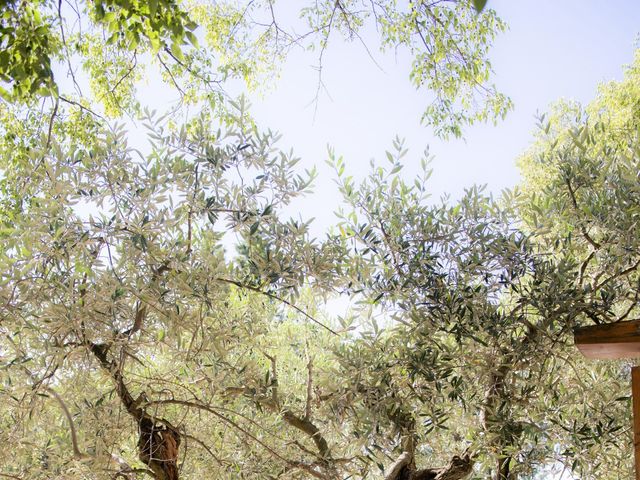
(82, 107)
(276, 297)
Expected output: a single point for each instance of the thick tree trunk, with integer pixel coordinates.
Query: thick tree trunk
(404, 469)
(503, 471)
(158, 448)
(158, 441)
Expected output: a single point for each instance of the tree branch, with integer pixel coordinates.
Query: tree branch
(574, 202)
(458, 468)
(72, 428)
(276, 297)
(393, 471)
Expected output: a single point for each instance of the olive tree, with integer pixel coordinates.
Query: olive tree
(469, 358)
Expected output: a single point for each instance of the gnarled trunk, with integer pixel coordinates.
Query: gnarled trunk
(158, 441)
(158, 448)
(404, 469)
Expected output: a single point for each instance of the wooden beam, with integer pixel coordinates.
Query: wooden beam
(635, 395)
(610, 340)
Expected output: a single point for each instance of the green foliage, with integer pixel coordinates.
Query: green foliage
(198, 46)
(449, 44)
(26, 48)
(581, 196)
(581, 181)
(135, 341)
(470, 338)
(109, 251)
(123, 305)
(131, 23)
(479, 5)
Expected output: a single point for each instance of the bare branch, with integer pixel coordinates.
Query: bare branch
(574, 202)
(72, 428)
(396, 467)
(276, 297)
(82, 107)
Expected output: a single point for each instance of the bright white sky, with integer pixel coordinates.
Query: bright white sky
(553, 49)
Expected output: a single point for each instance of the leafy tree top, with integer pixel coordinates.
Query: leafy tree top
(197, 46)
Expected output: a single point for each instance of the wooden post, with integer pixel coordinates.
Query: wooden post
(635, 395)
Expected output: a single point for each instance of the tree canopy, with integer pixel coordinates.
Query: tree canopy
(54, 48)
(162, 316)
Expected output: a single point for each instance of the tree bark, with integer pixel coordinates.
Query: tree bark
(404, 469)
(158, 441)
(503, 470)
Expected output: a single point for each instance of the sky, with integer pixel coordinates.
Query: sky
(551, 50)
